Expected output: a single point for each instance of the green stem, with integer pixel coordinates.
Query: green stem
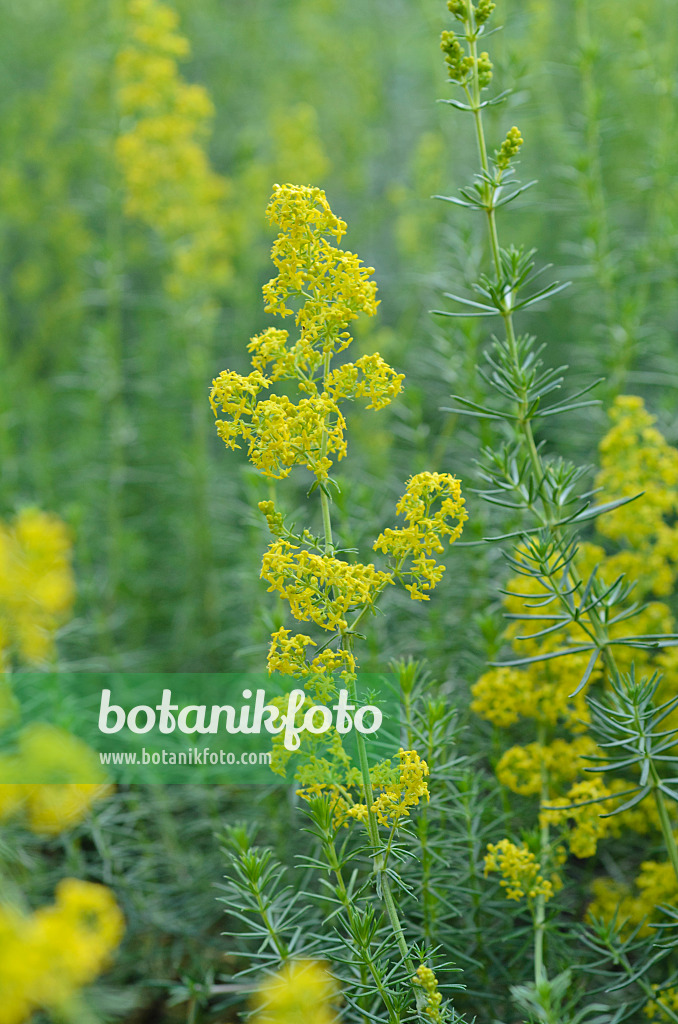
(622, 960)
(347, 902)
(525, 426)
(383, 882)
(281, 948)
(544, 841)
(665, 821)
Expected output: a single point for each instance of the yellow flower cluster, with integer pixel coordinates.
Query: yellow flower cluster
(36, 584)
(287, 654)
(434, 510)
(302, 990)
(398, 789)
(655, 885)
(654, 1009)
(394, 801)
(50, 808)
(170, 184)
(47, 956)
(521, 769)
(636, 457)
(319, 588)
(287, 657)
(369, 377)
(332, 289)
(587, 825)
(426, 978)
(519, 870)
(333, 283)
(505, 695)
(280, 433)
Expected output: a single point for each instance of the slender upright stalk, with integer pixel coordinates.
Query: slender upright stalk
(383, 882)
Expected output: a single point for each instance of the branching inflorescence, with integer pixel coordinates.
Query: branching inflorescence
(326, 288)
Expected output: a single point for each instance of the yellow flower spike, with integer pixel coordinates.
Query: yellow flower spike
(333, 282)
(170, 185)
(426, 978)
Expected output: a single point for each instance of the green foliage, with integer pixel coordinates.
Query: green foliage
(557, 598)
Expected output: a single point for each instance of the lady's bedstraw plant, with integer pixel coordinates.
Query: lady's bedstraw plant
(577, 622)
(326, 288)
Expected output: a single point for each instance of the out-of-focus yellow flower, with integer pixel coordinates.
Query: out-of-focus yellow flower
(45, 751)
(302, 990)
(655, 886)
(636, 457)
(522, 769)
(47, 956)
(583, 806)
(36, 584)
(655, 1010)
(171, 186)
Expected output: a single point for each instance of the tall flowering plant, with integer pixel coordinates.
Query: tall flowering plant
(587, 639)
(288, 412)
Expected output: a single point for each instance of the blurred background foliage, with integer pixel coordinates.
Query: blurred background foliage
(100, 402)
(104, 418)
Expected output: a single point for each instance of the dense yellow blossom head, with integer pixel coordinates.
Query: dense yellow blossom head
(328, 288)
(331, 284)
(319, 588)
